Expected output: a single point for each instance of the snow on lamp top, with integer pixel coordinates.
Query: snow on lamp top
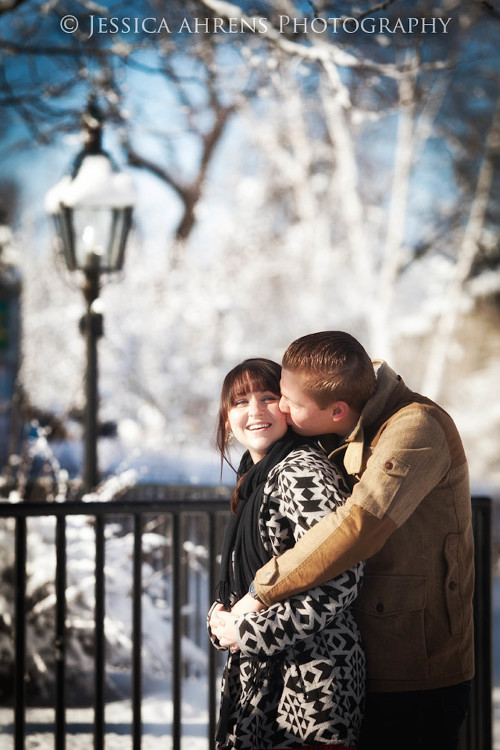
(92, 207)
(92, 212)
(95, 185)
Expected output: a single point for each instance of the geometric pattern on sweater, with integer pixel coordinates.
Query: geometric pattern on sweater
(299, 676)
(299, 495)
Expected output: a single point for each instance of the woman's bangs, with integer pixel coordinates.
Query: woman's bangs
(249, 382)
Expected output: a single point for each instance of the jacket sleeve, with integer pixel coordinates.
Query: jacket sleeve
(307, 486)
(286, 623)
(411, 457)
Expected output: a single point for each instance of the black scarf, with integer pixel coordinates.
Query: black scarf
(242, 542)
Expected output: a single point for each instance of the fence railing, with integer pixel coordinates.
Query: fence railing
(477, 732)
(177, 504)
(213, 510)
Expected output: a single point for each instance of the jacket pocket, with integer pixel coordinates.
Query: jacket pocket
(452, 588)
(390, 613)
(384, 477)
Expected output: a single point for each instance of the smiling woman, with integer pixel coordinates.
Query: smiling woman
(295, 672)
(243, 391)
(257, 422)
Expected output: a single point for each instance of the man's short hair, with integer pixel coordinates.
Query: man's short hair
(335, 367)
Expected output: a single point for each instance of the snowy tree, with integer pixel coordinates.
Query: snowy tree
(299, 171)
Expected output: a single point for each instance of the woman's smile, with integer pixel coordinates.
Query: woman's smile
(257, 422)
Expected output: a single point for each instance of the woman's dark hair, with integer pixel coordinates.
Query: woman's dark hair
(254, 374)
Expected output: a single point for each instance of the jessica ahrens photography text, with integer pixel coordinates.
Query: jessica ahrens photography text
(258, 25)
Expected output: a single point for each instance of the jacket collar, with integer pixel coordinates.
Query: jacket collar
(388, 382)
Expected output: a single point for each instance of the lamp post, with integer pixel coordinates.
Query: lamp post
(92, 213)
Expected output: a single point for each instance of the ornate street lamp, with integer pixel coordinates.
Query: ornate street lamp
(92, 213)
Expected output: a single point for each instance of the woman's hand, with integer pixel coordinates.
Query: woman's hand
(222, 625)
(247, 604)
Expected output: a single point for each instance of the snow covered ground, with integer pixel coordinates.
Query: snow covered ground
(156, 725)
(157, 715)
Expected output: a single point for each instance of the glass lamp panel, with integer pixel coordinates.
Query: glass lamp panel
(120, 226)
(64, 227)
(92, 236)
(100, 232)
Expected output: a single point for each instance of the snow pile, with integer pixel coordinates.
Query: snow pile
(40, 602)
(95, 184)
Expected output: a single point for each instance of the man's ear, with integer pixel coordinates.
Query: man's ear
(339, 410)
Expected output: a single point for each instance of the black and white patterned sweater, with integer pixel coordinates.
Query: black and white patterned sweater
(299, 676)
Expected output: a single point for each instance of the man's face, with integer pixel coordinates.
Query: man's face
(303, 414)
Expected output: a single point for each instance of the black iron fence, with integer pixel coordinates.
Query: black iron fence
(478, 731)
(179, 506)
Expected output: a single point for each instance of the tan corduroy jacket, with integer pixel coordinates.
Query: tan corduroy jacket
(409, 516)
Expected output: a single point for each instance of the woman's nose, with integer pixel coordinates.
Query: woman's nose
(255, 406)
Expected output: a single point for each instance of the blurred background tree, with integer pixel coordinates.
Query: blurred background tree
(298, 178)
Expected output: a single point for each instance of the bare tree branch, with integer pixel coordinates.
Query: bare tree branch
(8, 5)
(467, 253)
(189, 194)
